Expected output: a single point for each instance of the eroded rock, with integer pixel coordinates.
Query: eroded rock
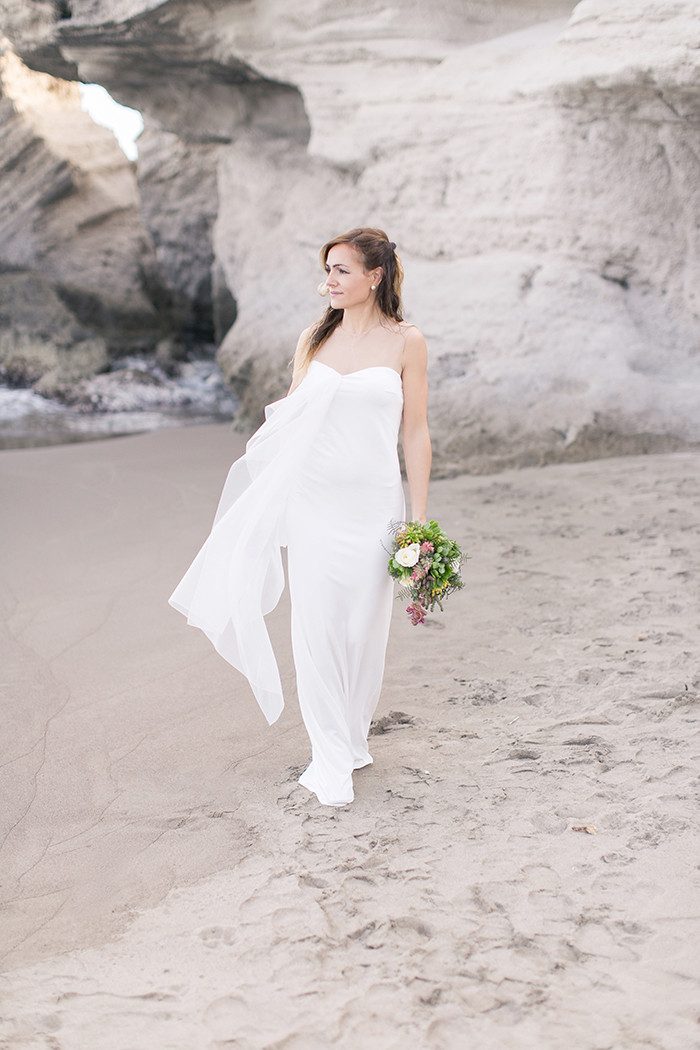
(41, 342)
(537, 165)
(70, 208)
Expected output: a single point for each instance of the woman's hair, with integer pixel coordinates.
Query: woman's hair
(375, 250)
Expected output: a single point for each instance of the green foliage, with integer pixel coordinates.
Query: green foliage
(435, 573)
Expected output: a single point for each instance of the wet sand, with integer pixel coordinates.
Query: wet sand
(520, 866)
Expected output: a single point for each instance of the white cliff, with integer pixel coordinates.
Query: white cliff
(73, 246)
(537, 164)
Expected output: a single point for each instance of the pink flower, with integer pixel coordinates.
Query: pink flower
(417, 613)
(427, 547)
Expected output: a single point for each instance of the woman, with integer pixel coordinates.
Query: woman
(321, 477)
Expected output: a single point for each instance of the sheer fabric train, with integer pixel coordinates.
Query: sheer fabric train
(321, 477)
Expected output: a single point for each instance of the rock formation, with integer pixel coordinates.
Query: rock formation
(73, 246)
(537, 163)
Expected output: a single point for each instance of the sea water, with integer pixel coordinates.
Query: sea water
(135, 396)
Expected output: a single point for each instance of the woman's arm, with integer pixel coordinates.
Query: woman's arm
(416, 436)
(298, 372)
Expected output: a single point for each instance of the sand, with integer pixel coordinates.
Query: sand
(520, 866)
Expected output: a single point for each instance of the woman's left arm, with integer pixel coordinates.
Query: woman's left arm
(415, 434)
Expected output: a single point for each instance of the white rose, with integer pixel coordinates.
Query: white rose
(408, 556)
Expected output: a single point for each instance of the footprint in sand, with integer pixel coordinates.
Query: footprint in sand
(215, 936)
(394, 720)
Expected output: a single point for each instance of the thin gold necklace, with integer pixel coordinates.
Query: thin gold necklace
(356, 336)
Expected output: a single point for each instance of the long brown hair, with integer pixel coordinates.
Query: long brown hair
(375, 250)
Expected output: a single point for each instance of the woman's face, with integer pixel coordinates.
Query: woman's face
(348, 282)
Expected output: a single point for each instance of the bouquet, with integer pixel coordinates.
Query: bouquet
(426, 564)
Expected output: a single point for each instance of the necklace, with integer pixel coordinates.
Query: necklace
(356, 336)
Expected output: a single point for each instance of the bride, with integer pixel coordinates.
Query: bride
(321, 477)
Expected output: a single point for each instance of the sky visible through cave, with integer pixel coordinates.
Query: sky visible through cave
(127, 124)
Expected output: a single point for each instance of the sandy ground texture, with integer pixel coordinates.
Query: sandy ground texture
(520, 866)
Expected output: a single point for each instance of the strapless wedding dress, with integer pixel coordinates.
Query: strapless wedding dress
(321, 477)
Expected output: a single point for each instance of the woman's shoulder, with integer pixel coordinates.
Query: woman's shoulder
(415, 352)
(306, 333)
(303, 340)
(412, 336)
(411, 332)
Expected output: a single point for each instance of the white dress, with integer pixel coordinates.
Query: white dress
(321, 477)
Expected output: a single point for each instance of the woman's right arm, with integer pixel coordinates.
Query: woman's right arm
(298, 370)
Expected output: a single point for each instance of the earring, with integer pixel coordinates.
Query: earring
(373, 287)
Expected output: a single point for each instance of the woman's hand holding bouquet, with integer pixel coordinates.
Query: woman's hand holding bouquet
(426, 564)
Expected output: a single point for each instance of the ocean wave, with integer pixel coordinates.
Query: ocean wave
(135, 396)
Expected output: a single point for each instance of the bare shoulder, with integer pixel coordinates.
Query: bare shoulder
(415, 351)
(298, 360)
(412, 334)
(302, 343)
(305, 335)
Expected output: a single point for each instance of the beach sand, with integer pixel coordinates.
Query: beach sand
(520, 866)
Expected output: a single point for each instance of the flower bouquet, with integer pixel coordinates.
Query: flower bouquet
(426, 564)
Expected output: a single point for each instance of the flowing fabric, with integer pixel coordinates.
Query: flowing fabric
(321, 477)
